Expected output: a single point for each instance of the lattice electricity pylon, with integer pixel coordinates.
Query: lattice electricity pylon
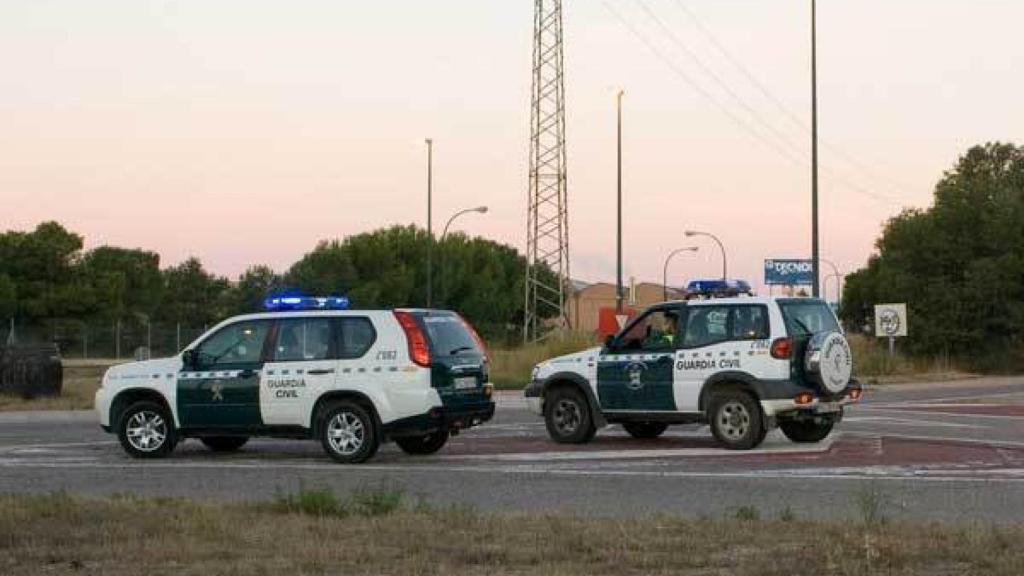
(547, 221)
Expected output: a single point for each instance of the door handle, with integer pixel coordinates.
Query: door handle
(320, 371)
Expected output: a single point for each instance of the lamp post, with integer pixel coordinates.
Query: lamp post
(478, 210)
(725, 262)
(839, 280)
(430, 219)
(618, 242)
(664, 274)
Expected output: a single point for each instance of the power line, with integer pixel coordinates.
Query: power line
(698, 88)
(786, 110)
(783, 150)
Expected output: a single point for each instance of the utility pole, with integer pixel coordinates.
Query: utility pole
(547, 214)
(618, 235)
(815, 257)
(430, 220)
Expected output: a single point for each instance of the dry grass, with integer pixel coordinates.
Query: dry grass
(81, 379)
(60, 534)
(510, 368)
(873, 364)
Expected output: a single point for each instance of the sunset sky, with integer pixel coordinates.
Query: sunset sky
(243, 132)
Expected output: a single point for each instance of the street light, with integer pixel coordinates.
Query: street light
(478, 210)
(725, 264)
(664, 274)
(815, 251)
(839, 279)
(430, 219)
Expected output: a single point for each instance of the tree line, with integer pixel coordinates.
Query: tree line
(959, 265)
(46, 278)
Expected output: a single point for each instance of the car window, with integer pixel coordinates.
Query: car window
(235, 344)
(302, 339)
(655, 331)
(449, 335)
(750, 323)
(706, 325)
(356, 336)
(808, 317)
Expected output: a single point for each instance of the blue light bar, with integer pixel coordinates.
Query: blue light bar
(285, 303)
(718, 288)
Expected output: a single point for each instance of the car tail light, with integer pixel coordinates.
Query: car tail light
(804, 398)
(782, 349)
(855, 394)
(419, 350)
(472, 331)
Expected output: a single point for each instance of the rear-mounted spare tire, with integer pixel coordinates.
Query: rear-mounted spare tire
(828, 361)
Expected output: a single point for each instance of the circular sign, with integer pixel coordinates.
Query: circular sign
(889, 321)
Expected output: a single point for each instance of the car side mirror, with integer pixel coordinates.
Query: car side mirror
(189, 359)
(609, 341)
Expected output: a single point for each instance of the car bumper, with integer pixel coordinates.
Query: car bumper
(452, 418)
(817, 406)
(534, 394)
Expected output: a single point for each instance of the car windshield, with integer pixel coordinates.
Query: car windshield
(449, 336)
(808, 317)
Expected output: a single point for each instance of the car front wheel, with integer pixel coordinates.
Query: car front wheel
(348, 433)
(567, 416)
(146, 430)
(736, 420)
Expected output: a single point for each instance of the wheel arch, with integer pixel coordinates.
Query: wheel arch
(573, 380)
(734, 380)
(129, 396)
(337, 396)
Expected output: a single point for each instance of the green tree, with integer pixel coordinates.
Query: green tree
(252, 288)
(959, 265)
(192, 296)
(124, 283)
(41, 264)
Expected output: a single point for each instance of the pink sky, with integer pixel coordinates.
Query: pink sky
(244, 132)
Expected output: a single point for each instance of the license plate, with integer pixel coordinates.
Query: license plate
(828, 407)
(465, 383)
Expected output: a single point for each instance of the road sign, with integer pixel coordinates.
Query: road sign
(789, 272)
(891, 320)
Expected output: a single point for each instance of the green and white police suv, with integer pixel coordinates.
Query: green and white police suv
(307, 368)
(742, 364)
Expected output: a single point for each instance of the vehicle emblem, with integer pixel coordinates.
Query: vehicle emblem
(217, 388)
(635, 371)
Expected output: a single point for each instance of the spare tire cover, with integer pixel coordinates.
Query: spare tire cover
(829, 361)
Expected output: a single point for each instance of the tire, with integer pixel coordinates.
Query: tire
(567, 416)
(736, 420)
(423, 445)
(224, 443)
(807, 431)
(348, 433)
(146, 430)
(645, 429)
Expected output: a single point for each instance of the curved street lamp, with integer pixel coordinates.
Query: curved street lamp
(725, 265)
(664, 274)
(478, 210)
(839, 280)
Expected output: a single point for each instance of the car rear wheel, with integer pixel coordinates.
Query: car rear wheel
(146, 430)
(224, 443)
(348, 433)
(567, 416)
(806, 431)
(645, 429)
(424, 444)
(736, 420)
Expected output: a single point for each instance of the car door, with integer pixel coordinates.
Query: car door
(302, 364)
(718, 339)
(221, 389)
(635, 373)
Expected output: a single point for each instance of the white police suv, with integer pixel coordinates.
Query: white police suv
(307, 368)
(743, 365)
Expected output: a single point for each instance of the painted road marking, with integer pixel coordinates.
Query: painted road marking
(909, 422)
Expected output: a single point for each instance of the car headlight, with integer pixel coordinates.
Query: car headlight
(536, 371)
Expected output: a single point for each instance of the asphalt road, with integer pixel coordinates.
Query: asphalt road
(950, 451)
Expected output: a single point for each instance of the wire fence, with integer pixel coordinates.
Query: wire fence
(117, 340)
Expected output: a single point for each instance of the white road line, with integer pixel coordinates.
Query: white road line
(934, 414)
(949, 477)
(19, 447)
(909, 422)
(990, 443)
